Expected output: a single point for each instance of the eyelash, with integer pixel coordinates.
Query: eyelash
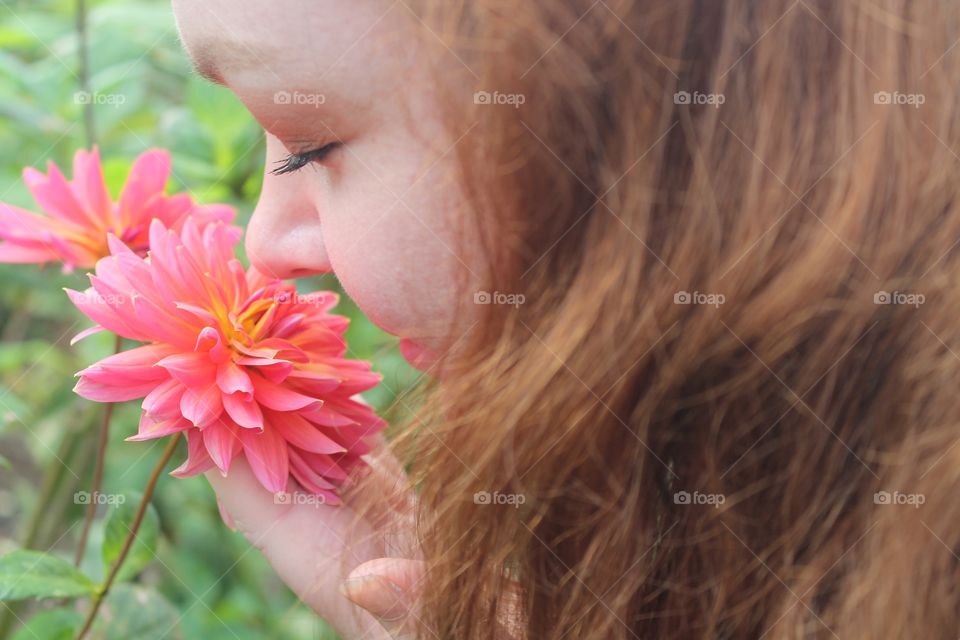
(296, 161)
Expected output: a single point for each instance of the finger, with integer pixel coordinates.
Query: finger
(389, 589)
(309, 546)
(382, 494)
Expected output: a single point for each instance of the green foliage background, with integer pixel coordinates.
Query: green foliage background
(198, 579)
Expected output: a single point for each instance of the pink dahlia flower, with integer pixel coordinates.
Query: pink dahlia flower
(239, 361)
(80, 213)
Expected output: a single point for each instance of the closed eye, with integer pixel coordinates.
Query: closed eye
(296, 161)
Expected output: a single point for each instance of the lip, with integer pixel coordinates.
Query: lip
(416, 354)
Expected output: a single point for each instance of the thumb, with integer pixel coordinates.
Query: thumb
(388, 588)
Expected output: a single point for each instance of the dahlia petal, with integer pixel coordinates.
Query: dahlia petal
(133, 365)
(160, 325)
(317, 379)
(288, 325)
(207, 213)
(89, 183)
(85, 334)
(20, 225)
(54, 195)
(209, 341)
(94, 306)
(199, 312)
(201, 405)
(275, 371)
(164, 401)
(71, 253)
(192, 369)
(244, 410)
(198, 460)
(146, 181)
(171, 210)
(151, 429)
(222, 443)
(326, 415)
(16, 254)
(301, 433)
(324, 466)
(266, 452)
(118, 247)
(278, 398)
(355, 437)
(231, 378)
(100, 392)
(307, 477)
(360, 381)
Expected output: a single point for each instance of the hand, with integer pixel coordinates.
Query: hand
(335, 558)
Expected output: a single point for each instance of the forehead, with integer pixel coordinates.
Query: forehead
(228, 41)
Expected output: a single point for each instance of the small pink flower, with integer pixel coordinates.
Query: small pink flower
(239, 361)
(80, 213)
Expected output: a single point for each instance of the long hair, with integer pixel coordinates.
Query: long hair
(725, 404)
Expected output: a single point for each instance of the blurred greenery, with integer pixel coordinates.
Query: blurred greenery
(192, 577)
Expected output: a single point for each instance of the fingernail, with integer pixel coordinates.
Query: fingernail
(379, 595)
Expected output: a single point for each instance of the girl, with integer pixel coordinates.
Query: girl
(683, 276)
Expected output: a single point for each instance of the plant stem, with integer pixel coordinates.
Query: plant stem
(57, 486)
(84, 72)
(97, 473)
(131, 536)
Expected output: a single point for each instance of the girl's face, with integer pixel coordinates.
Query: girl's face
(366, 178)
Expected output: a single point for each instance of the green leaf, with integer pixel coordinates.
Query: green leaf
(132, 611)
(118, 528)
(55, 624)
(33, 574)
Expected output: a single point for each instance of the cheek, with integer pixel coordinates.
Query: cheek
(409, 268)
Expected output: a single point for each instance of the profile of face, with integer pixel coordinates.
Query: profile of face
(361, 176)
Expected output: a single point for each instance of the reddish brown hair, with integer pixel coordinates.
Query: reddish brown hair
(827, 176)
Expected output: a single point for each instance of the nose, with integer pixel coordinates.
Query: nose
(284, 237)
